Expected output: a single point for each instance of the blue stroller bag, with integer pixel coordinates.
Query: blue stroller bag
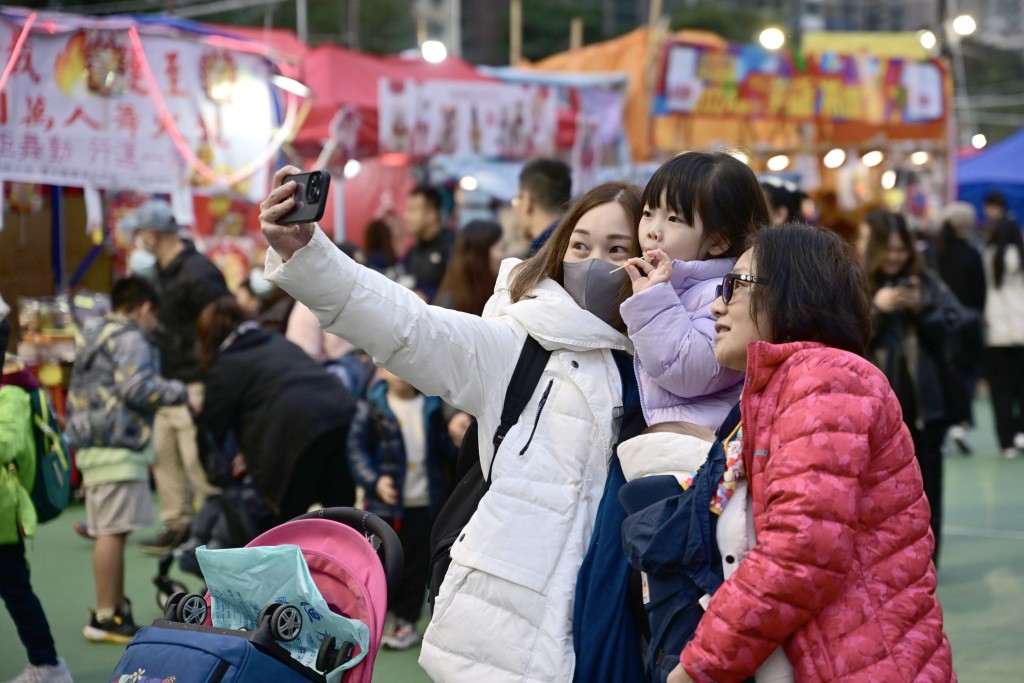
(158, 654)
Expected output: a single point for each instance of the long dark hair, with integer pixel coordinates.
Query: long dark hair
(720, 189)
(815, 288)
(547, 263)
(883, 225)
(378, 240)
(1005, 233)
(216, 322)
(469, 279)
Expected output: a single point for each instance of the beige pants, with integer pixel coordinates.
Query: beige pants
(177, 466)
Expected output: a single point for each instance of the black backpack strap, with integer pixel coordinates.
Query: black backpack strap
(530, 366)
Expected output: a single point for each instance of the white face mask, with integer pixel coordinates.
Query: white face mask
(261, 286)
(142, 263)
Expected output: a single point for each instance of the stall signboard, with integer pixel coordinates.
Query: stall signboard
(464, 118)
(747, 81)
(92, 106)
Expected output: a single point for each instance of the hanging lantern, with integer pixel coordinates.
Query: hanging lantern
(106, 62)
(218, 73)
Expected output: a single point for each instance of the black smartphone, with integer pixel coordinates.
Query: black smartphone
(310, 197)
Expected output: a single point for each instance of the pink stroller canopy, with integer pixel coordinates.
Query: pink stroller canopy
(347, 572)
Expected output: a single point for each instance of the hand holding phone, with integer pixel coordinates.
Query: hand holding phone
(310, 197)
(285, 237)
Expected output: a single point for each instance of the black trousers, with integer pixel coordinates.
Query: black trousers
(321, 476)
(1006, 379)
(414, 532)
(24, 606)
(928, 448)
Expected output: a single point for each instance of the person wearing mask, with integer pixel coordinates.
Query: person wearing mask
(17, 522)
(841, 575)
(960, 266)
(504, 611)
(545, 187)
(186, 282)
(288, 416)
(1004, 315)
(428, 257)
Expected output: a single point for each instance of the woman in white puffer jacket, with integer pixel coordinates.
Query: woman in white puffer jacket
(504, 612)
(1004, 318)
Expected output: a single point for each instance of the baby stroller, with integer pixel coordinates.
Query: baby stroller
(229, 519)
(354, 558)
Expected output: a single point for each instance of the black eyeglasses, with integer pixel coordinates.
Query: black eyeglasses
(728, 285)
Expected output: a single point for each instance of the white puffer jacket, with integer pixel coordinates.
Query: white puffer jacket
(1004, 306)
(504, 613)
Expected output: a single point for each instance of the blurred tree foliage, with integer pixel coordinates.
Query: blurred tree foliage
(735, 25)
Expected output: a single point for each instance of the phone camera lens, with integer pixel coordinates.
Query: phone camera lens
(313, 188)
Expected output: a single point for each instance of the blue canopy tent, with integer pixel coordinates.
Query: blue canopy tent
(1000, 168)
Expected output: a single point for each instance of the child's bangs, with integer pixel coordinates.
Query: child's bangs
(679, 179)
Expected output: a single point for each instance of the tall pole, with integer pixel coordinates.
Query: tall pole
(653, 14)
(515, 32)
(353, 24)
(302, 20)
(455, 27)
(576, 33)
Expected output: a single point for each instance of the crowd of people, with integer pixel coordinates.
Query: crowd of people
(774, 396)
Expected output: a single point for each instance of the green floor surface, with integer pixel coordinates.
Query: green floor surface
(981, 580)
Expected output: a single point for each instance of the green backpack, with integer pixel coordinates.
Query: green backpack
(52, 488)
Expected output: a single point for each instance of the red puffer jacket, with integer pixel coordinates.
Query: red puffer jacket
(842, 573)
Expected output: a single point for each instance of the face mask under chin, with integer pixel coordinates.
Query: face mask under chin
(595, 287)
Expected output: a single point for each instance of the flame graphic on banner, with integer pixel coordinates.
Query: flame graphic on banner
(70, 67)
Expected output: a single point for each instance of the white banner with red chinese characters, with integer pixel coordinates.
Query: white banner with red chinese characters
(99, 107)
(467, 118)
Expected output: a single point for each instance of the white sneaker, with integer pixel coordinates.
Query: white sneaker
(962, 438)
(1009, 454)
(44, 674)
(1018, 441)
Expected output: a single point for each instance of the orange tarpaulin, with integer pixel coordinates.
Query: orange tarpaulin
(661, 136)
(628, 54)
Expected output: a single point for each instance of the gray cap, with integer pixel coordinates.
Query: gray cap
(962, 217)
(155, 215)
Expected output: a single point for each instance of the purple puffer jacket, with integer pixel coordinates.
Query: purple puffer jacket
(673, 332)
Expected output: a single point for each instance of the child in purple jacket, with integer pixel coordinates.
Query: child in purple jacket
(699, 208)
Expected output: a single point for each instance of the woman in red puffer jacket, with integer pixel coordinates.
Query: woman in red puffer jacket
(841, 575)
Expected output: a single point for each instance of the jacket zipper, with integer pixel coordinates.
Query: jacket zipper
(536, 419)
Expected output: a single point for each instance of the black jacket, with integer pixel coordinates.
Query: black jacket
(960, 266)
(186, 285)
(276, 401)
(428, 260)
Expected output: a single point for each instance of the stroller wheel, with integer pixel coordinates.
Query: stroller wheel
(265, 612)
(170, 605)
(344, 654)
(166, 589)
(325, 654)
(286, 623)
(191, 609)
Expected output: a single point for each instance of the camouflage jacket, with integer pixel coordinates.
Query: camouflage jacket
(116, 388)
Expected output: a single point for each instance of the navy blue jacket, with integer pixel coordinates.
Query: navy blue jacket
(376, 448)
(672, 540)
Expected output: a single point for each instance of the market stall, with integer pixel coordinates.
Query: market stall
(98, 114)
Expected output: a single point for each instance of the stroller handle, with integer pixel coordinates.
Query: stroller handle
(392, 557)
